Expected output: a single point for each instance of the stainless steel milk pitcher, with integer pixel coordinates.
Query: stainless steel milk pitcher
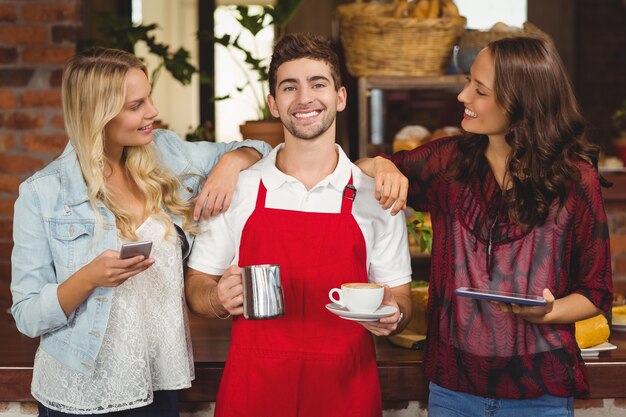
(262, 292)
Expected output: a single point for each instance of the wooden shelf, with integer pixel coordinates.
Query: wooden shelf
(366, 84)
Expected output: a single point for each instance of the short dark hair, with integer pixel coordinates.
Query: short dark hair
(304, 45)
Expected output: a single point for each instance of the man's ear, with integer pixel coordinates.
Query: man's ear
(342, 98)
(272, 103)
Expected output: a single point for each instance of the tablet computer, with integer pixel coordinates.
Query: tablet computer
(503, 297)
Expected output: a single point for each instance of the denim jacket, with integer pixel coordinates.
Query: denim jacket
(54, 234)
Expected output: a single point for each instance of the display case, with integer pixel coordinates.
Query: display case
(371, 91)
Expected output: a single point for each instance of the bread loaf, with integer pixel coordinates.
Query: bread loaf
(443, 132)
(593, 331)
(619, 315)
(410, 137)
(421, 9)
(435, 8)
(449, 9)
(401, 8)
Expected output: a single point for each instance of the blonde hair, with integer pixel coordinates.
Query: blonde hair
(93, 92)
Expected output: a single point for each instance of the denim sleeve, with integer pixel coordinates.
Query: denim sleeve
(204, 155)
(36, 307)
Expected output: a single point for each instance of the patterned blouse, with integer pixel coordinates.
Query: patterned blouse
(472, 347)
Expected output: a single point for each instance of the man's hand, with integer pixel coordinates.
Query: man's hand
(388, 325)
(230, 291)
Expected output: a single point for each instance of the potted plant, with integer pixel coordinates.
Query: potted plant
(619, 123)
(265, 126)
(116, 32)
(120, 33)
(420, 232)
(420, 245)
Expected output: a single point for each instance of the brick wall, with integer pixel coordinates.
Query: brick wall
(36, 38)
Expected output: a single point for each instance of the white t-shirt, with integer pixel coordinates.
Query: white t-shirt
(388, 261)
(146, 347)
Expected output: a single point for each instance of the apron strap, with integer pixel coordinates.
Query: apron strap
(349, 193)
(260, 197)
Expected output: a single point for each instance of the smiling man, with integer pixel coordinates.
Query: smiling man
(307, 208)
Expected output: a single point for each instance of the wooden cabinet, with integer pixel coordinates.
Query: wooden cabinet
(371, 93)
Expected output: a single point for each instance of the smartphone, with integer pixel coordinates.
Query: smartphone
(503, 297)
(131, 249)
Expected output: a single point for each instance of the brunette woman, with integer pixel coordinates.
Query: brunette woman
(516, 206)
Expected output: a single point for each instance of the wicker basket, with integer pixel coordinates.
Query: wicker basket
(377, 44)
(472, 41)
(480, 38)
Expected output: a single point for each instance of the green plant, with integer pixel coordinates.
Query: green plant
(619, 119)
(252, 22)
(116, 32)
(419, 229)
(204, 132)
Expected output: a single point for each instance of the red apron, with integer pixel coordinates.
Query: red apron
(308, 363)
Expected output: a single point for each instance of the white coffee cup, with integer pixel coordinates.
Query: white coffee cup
(358, 297)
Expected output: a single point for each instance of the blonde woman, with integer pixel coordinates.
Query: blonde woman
(114, 334)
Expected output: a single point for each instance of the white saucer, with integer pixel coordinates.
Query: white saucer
(343, 312)
(594, 351)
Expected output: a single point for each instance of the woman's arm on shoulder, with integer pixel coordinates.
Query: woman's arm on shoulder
(220, 162)
(391, 186)
(407, 177)
(219, 187)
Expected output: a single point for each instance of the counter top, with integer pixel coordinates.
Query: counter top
(400, 369)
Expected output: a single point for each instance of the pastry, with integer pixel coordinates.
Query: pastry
(443, 132)
(410, 137)
(592, 332)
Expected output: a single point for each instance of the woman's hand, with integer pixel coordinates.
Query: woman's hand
(533, 314)
(108, 270)
(105, 270)
(219, 187)
(217, 191)
(391, 186)
(566, 310)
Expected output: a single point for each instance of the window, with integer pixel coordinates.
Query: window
(232, 75)
(483, 14)
(178, 105)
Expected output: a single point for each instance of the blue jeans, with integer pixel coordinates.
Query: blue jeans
(165, 404)
(443, 402)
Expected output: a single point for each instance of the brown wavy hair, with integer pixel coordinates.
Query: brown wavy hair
(304, 45)
(547, 132)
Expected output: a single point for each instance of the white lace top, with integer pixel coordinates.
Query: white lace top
(146, 348)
